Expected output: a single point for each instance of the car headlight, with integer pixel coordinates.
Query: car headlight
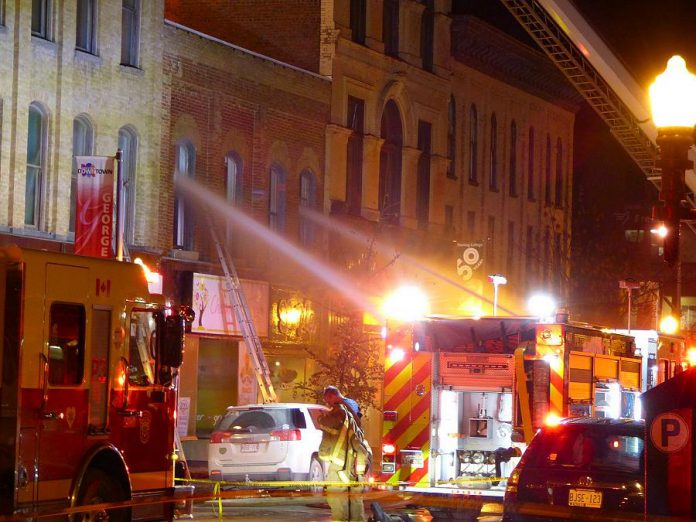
(478, 457)
(466, 457)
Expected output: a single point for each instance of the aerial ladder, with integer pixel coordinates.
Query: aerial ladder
(571, 44)
(240, 307)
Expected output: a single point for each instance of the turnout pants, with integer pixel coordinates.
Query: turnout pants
(345, 502)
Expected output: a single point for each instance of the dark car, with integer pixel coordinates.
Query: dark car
(579, 466)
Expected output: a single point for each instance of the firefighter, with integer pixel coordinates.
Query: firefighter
(351, 404)
(344, 449)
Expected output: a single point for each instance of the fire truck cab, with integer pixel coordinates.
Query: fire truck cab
(463, 397)
(664, 355)
(88, 360)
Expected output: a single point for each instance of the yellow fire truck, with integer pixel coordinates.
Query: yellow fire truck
(463, 397)
(88, 359)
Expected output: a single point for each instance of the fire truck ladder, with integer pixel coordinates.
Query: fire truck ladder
(235, 294)
(591, 85)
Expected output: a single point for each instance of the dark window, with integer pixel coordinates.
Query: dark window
(86, 26)
(449, 218)
(66, 344)
(559, 173)
(356, 115)
(358, 13)
(41, 14)
(277, 199)
(547, 246)
(529, 246)
(490, 244)
(2, 12)
(558, 262)
(183, 218)
(130, 32)
(493, 177)
(547, 179)
(473, 145)
(423, 182)
(390, 27)
(233, 194)
(261, 420)
(390, 164)
(451, 139)
(510, 254)
(428, 34)
(471, 224)
(308, 200)
(513, 159)
(530, 166)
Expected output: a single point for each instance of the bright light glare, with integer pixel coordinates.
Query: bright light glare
(541, 305)
(691, 356)
(396, 355)
(672, 96)
(150, 276)
(660, 231)
(552, 420)
(669, 325)
(408, 303)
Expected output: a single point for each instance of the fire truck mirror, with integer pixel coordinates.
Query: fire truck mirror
(172, 341)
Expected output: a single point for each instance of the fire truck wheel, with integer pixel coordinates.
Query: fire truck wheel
(316, 474)
(99, 488)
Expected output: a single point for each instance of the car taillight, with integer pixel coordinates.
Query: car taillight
(285, 435)
(220, 436)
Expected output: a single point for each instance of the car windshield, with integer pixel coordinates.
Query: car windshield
(580, 448)
(260, 420)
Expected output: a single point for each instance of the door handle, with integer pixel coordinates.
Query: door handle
(130, 413)
(51, 415)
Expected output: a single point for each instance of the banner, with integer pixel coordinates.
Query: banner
(247, 387)
(469, 259)
(94, 214)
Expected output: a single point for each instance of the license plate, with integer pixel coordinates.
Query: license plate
(585, 498)
(249, 448)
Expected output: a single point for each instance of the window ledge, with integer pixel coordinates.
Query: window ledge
(474, 182)
(43, 43)
(133, 70)
(493, 189)
(86, 56)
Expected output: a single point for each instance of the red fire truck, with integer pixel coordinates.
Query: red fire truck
(463, 397)
(88, 360)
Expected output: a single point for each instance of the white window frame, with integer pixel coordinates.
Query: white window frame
(185, 164)
(130, 39)
(44, 27)
(83, 145)
(128, 143)
(277, 198)
(33, 199)
(86, 26)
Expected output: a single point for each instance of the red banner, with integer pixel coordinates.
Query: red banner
(94, 215)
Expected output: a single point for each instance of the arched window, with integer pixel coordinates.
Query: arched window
(183, 220)
(390, 164)
(473, 145)
(277, 199)
(559, 173)
(83, 145)
(451, 138)
(513, 159)
(428, 34)
(530, 165)
(233, 190)
(128, 143)
(37, 143)
(493, 175)
(308, 200)
(547, 177)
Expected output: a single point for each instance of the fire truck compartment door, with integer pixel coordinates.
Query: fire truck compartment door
(580, 377)
(630, 374)
(606, 368)
(477, 371)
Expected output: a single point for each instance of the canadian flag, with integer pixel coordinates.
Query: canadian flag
(103, 287)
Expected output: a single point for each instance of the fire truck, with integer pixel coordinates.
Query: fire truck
(88, 364)
(463, 397)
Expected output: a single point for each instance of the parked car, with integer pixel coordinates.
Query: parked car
(267, 442)
(583, 465)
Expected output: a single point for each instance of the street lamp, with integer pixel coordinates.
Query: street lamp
(629, 285)
(673, 102)
(497, 280)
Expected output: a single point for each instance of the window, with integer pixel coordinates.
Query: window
(130, 32)
(41, 14)
(530, 166)
(233, 192)
(423, 181)
(529, 268)
(558, 263)
(490, 243)
(510, 254)
(36, 165)
(356, 115)
(86, 23)
(358, 14)
(83, 145)
(493, 177)
(559, 173)
(183, 225)
(546, 246)
(428, 34)
(128, 143)
(390, 164)
(473, 145)
(308, 200)
(390, 27)
(2, 12)
(451, 138)
(66, 344)
(141, 365)
(547, 179)
(470, 224)
(277, 200)
(634, 236)
(513, 159)
(449, 218)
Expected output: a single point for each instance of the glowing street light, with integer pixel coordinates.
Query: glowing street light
(669, 325)
(541, 306)
(407, 303)
(497, 280)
